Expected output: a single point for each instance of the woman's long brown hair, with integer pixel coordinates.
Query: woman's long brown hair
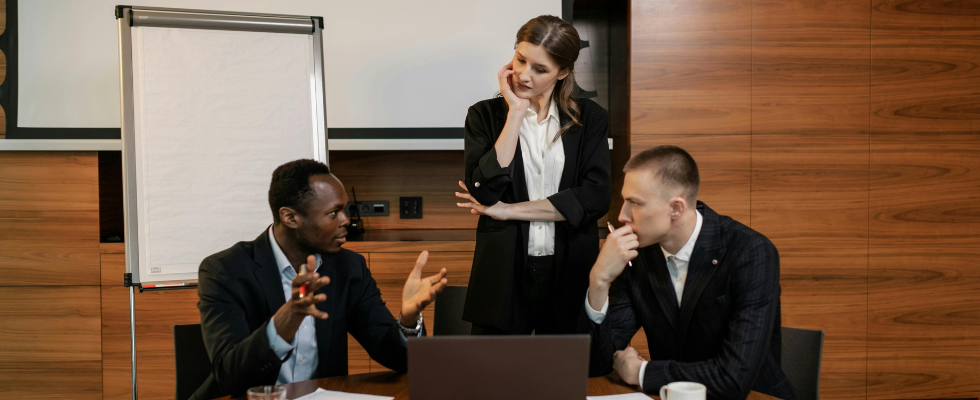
(561, 41)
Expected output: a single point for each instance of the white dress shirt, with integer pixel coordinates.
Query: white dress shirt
(678, 276)
(544, 162)
(302, 365)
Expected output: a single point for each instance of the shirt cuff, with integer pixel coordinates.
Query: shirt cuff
(276, 342)
(643, 368)
(596, 316)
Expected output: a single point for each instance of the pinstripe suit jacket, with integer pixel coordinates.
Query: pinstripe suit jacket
(726, 334)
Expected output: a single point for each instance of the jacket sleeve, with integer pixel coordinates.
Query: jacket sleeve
(589, 201)
(373, 326)
(240, 358)
(755, 297)
(485, 179)
(615, 331)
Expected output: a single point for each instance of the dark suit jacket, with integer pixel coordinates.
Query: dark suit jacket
(240, 290)
(726, 334)
(495, 294)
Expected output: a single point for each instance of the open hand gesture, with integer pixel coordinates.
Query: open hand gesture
(419, 291)
(497, 211)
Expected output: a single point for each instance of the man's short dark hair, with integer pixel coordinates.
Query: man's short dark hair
(290, 185)
(674, 166)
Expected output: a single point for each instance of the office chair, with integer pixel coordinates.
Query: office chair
(802, 350)
(193, 364)
(448, 309)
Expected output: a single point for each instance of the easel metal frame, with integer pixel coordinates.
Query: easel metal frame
(128, 17)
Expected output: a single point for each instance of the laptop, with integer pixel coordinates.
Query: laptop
(498, 367)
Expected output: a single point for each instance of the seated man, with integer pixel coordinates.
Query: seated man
(259, 330)
(704, 288)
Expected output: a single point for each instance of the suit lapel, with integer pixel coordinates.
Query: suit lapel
(267, 273)
(659, 280)
(707, 251)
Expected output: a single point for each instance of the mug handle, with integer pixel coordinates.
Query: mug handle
(663, 392)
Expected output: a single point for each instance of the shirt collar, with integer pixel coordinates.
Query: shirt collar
(684, 254)
(281, 261)
(552, 112)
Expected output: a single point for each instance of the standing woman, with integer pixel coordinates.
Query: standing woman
(537, 173)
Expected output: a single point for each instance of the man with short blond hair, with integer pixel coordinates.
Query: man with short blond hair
(704, 287)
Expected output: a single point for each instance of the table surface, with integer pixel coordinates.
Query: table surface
(395, 384)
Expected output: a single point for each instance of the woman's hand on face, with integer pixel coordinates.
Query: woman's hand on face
(497, 211)
(505, 77)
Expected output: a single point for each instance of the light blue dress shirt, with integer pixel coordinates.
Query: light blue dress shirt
(302, 364)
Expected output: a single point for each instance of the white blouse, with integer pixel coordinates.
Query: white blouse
(544, 162)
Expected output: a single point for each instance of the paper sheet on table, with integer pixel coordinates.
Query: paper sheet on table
(627, 396)
(322, 394)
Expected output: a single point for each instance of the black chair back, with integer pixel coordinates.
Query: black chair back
(448, 309)
(193, 364)
(802, 350)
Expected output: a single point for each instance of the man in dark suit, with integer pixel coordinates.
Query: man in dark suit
(260, 330)
(704, 288)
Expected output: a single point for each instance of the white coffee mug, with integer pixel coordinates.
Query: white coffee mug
(683, 391)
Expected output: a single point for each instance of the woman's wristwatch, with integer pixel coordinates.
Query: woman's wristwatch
(417, 331)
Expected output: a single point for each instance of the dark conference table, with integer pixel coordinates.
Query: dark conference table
(395, 384)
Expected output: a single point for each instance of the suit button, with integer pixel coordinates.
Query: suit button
(476, 184)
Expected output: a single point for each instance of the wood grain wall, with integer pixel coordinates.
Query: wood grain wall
(49, 276)
(848, 132)
(388, 175)
(924, 291)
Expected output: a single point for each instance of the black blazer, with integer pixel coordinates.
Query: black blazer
(496, 280)
(240, 290)
(726, 334)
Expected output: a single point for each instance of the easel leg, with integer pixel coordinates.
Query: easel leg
(132, 335)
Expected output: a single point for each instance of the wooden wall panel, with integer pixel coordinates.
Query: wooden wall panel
(388, 175)
(50, 335)
(49, 210)
(156, 314)
(113, 269)
(924, 329)
(690, 86)
(810, 73)
(116, 356)
(924, 333)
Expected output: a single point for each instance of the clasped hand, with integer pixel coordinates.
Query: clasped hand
(627, 364)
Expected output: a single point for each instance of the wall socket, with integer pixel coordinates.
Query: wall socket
(368, 208)
(410, 207)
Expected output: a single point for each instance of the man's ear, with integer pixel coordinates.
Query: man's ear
(677, 207)
(564, 74)
(289, 217)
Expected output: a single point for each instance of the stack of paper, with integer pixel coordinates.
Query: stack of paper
(322, 394)
(627, 396)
